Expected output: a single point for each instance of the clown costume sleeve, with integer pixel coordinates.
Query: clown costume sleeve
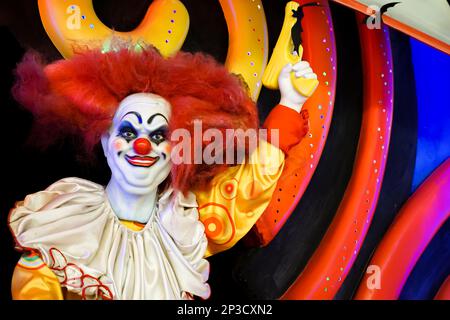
(238, 196)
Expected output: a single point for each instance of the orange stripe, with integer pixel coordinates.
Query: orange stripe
(330, 264)
(303, 158)
(408, 236)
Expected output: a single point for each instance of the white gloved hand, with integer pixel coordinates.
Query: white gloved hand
(289, 96)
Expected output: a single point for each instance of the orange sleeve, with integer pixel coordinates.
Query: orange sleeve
(292, 126)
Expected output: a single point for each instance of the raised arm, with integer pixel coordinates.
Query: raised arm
(237, 197)
(288, 117)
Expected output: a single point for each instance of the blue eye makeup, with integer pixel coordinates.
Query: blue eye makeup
(127, 131)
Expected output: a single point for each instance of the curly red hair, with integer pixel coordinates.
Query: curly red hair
(80, 96)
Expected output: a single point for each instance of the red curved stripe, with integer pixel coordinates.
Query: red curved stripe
(330, 264)
(301, 162)
(410, 233)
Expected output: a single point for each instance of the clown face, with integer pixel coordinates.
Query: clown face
(136, 146)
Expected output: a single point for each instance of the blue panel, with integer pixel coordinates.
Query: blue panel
(432, 74)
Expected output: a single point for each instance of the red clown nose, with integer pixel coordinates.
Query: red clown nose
(142, 146)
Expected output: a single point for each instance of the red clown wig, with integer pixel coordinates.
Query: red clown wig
(80, 96)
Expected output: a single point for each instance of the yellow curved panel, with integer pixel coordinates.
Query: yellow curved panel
(70, 22)
(248, 41)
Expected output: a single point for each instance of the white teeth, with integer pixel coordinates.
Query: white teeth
(142, 161)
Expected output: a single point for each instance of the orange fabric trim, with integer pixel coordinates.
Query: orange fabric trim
(292, 126)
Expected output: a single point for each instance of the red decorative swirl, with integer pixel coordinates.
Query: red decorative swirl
(103, 291)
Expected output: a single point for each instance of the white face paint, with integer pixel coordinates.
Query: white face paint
(136, 147)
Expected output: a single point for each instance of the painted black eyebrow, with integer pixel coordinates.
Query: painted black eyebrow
(163, 127)
(149, 121)
(138, 116)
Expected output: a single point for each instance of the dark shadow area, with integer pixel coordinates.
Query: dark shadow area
(25, 169)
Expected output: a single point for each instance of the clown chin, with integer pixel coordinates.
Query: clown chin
(142, 180)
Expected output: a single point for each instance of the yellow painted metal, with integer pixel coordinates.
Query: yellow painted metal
(73, 23)
(283, 54)
(248, 41)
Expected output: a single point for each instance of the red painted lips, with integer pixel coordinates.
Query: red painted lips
(140, 161)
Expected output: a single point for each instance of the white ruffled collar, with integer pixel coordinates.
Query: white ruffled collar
(79, 237)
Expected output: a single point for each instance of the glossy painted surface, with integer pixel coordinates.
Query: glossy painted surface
(431, 73)
(427, 22)
(70, 23)
(408, 236)
(247, 41)
(320, 51)
(332, 260)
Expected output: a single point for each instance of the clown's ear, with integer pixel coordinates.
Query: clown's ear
(104, 140)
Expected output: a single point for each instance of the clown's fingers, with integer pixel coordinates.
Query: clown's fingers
(302, 72)
(311, 75)
(301, 65)
(287, 69)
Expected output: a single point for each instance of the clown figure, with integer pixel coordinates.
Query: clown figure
(146, 235)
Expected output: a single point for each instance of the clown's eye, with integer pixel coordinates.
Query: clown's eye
(128, 133)
(158, 136)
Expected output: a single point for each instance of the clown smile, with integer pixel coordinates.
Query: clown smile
(141, 161)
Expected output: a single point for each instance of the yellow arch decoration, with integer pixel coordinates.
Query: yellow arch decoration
(164, 26)
(67, 22)
(248, 41)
